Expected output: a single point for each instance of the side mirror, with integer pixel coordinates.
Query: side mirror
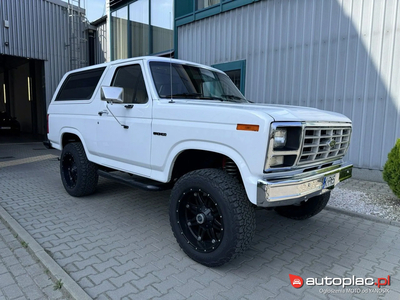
(113, 94)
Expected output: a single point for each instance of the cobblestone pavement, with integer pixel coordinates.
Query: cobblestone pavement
(117, 243)
(21, 276)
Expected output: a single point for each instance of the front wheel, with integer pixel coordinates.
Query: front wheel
(305, 209)
(79, 175)
(211, 217)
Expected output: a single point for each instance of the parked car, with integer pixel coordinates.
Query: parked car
(8, 124)
(158, 123)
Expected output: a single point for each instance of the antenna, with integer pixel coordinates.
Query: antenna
(170, 61)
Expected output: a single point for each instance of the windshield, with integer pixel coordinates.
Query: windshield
(193, 82)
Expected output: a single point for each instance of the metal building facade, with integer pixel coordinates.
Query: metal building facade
(338, 55)
(101, 53)
(39, 29)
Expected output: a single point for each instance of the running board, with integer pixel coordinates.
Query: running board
(135, 181)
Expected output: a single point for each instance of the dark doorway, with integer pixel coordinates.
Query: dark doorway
(22, 92)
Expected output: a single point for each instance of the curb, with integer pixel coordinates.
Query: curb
(56, 272)
(363, 216)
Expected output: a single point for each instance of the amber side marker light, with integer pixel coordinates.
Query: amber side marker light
(247, 127)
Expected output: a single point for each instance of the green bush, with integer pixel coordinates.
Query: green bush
(391, 170)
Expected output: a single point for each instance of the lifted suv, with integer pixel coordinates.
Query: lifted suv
(158, 123)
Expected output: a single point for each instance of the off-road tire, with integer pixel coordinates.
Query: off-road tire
(218, 210)
(79, 175)
(305, 209)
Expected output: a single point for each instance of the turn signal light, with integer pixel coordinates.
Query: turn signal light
(247, 127)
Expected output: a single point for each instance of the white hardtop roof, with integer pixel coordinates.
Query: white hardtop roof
(146, 59)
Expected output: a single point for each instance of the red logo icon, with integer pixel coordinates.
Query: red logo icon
(296, 281)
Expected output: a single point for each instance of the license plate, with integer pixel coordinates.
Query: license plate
(329, 181)
(5, 127)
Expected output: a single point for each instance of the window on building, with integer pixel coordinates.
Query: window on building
(200, 4)
(139, 27)
(236, 71)
(119, 23)
(80, 85)
(162, 25)
(142, 27)
(234, 75)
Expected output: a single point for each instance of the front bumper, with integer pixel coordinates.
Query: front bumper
(271, 193)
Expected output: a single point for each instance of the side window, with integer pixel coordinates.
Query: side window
(80, 85)
(131, 79)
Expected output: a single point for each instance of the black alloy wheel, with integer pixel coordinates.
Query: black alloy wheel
(211, 217)
(69, 169)
(200, 220)
(79, 176)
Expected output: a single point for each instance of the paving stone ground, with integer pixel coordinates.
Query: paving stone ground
(21, 275)
(117, 243)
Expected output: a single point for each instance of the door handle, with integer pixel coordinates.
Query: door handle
(103, 112)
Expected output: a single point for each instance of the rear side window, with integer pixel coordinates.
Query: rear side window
(80, 85)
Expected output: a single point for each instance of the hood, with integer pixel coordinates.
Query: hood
(299, 113)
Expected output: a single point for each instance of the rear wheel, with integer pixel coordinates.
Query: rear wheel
(79, 175)
(305, 209)
(211, 217)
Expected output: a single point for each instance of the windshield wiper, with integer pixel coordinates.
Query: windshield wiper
(193, 95)
(233, 97)
(211, 98)
(183, 95)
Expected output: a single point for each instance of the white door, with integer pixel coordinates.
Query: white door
(124, 140)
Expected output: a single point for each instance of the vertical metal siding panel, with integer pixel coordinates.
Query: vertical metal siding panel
(299, 53)
(315, 76)
(21, 27)
(257, 90)
(287, 62)
(2, 28)
(375, 57)
(350, 68)
(380, 90)
(101, 44)
(28, 28)
(396, 77)
(391, 111)
(338, 68)
(359, 75)
(12, 33)
(308, 48)
(271, 53)
(367, 101)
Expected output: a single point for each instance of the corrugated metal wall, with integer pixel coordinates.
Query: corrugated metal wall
(38, 29)
(338, 55)
(100, 48)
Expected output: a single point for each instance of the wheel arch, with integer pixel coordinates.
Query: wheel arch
(71, 135)
(182, 164)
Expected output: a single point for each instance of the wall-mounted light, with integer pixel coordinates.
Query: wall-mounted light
(4, 93)
(29, 87)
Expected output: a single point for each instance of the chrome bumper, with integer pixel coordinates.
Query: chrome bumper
(271, 193)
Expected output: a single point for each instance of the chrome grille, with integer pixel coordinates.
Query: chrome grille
(324, 143)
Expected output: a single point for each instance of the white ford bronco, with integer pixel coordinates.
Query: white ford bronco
(158, 123)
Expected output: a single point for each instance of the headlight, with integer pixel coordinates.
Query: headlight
(283, 145)
(280, 138)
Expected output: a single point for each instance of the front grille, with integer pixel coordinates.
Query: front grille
(324, 143)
